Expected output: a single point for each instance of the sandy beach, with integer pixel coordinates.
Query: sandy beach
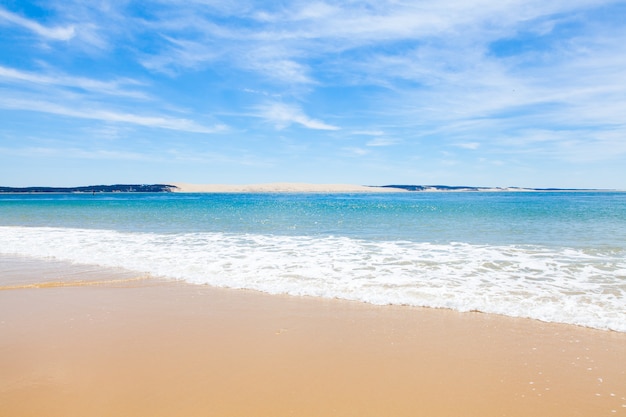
(77, 341)
(282, 187)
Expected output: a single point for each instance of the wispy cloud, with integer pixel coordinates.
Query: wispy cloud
(283, 115)
(278, 68)
(354, 151)
(79, 153)
(181, 53)
(480, 79)
(59, 33)
(369, 132)
(115, 87)
(382, 141)
(104, 115)
(468, 145)
(379, 138)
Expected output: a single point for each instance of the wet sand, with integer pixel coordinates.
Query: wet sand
(107, 343)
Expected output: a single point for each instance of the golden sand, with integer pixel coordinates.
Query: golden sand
(283, 187)
(156, 348)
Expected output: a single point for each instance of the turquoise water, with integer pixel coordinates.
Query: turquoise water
(555, 256)
(579, 219)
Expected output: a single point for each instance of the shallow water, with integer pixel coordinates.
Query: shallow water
(553, 256)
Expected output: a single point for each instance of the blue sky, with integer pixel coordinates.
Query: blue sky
(459, 92)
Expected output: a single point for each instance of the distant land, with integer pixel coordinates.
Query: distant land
(471, 188)
(278, 187)
(117, 188)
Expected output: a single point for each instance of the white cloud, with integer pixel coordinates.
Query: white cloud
(116, 87)
(54, 33)
(161, 122)
(78, 153)
(382, 141)
(181, 53)
(283, 115)
(468, 145)
(302, 43)
(369, 132)
(283, 70)
(515, 77)
(356, 151)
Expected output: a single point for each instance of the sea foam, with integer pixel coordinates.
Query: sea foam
(567, 285)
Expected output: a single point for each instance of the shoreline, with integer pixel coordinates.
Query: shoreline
(33, 282)
(114, 345)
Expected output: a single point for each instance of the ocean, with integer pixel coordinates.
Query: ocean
(551, 256)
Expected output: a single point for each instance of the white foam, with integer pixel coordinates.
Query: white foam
(558, 285)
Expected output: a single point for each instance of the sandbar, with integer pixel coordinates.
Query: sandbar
(112, 343)
(282, 187)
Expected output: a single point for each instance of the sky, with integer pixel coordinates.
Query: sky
(528, 93)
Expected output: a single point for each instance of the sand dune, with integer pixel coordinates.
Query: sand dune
(281, 187)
